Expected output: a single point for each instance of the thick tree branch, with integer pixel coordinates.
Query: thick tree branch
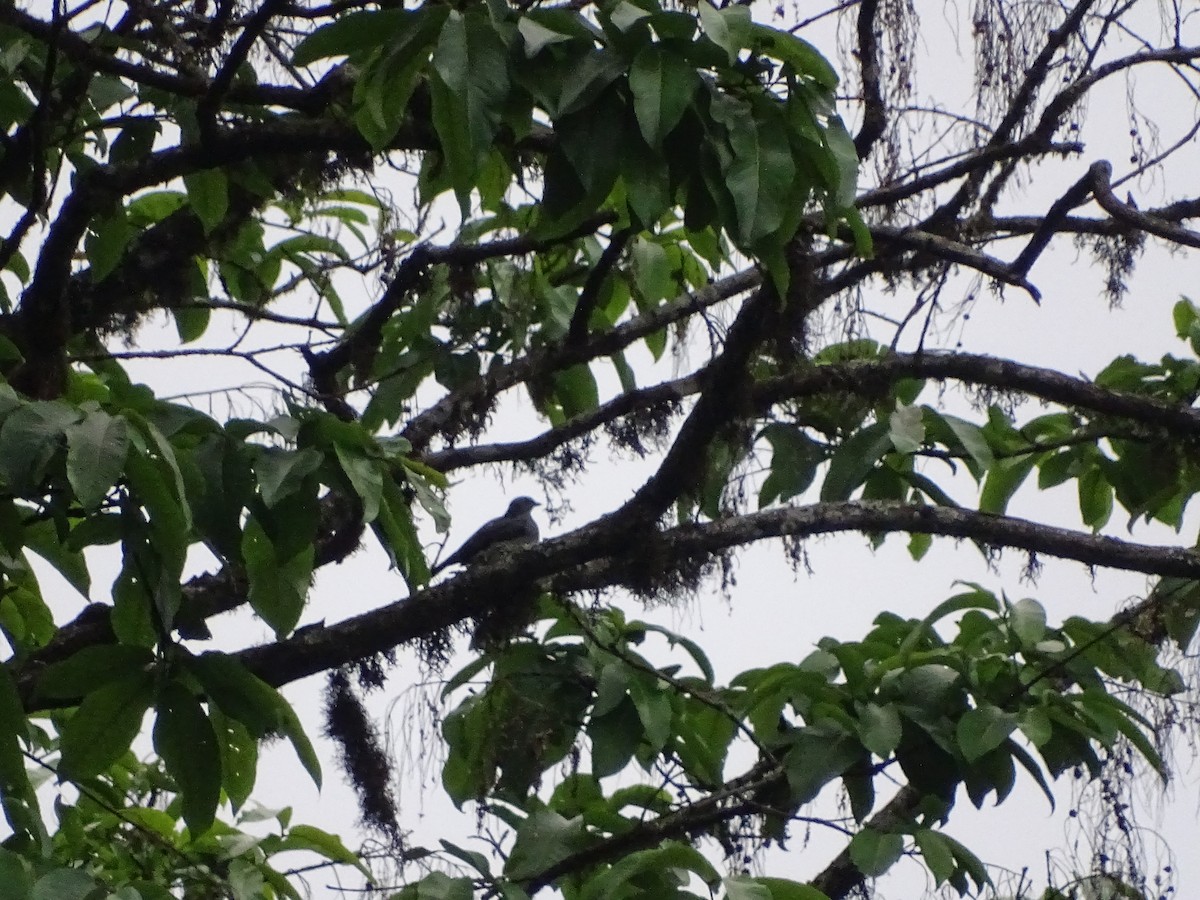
(1050, 225)
(865, 377)
(988, 371)
(874, 112)
(724, 398)
(951, 251)
(585, 560)
(841, 877)
(1100, 175)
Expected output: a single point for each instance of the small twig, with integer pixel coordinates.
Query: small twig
(590, 295)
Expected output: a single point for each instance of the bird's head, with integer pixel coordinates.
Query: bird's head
(521, 506)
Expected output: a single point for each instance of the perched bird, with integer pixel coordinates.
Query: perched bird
(515, 528)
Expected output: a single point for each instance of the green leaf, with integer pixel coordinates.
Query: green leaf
(662, 84)
(854, 459)
(91, 667)
(694, 650)
(845, 157)
(1002, 482)
(794, 460)
(366, 476)
(281, 472)
(1095, 498)
(817, 755)
(543, 839)
(278, 587)
(982, 730)
(593, 141)
(1029, 764)
(906, 428)
(185, 739)
(29, 438)
(294, 731)
(762, 173)
(16, 792)
(969, 862)
(352, 34)
(104, 726)
(16, 874)
(1185, 316)
(576, 390)
(191, 322)
(743, 887)
(208, 194)
(647, 181)
(155, 206)
(976, 599)
(42, 538)
(246, 880)
(106, 243)
(330, 846)
(537, 37)
(239, 756)
(96, 452)
(132, 620)
(702, 739)
(918, 545)
(471, 84)
(938, 856)
(973, 441)
(64, 884)
(615, 736)
(654, 868)
(1027, 618)
(879, 727)
(802, 56)
(437, 886)
(874, 852)
(728, 28)
(172, 505)
(381, 95)
(238, 693)
(625, 15)
(398, 536)
(653, 705)
(586, 79)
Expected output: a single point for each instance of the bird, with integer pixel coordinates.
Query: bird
(515, 528)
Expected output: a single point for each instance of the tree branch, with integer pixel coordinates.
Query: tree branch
(587, 559)
(1100, 175)
(874, 112)
(629, 403)
(446, 417)
(869, 376)
(1018, 108)
(577, 330)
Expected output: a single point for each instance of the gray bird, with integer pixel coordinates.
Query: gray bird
(515, 528)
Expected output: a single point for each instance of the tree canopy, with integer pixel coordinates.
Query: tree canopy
(738, 245)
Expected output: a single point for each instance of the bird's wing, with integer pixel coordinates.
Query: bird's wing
(493, 532)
